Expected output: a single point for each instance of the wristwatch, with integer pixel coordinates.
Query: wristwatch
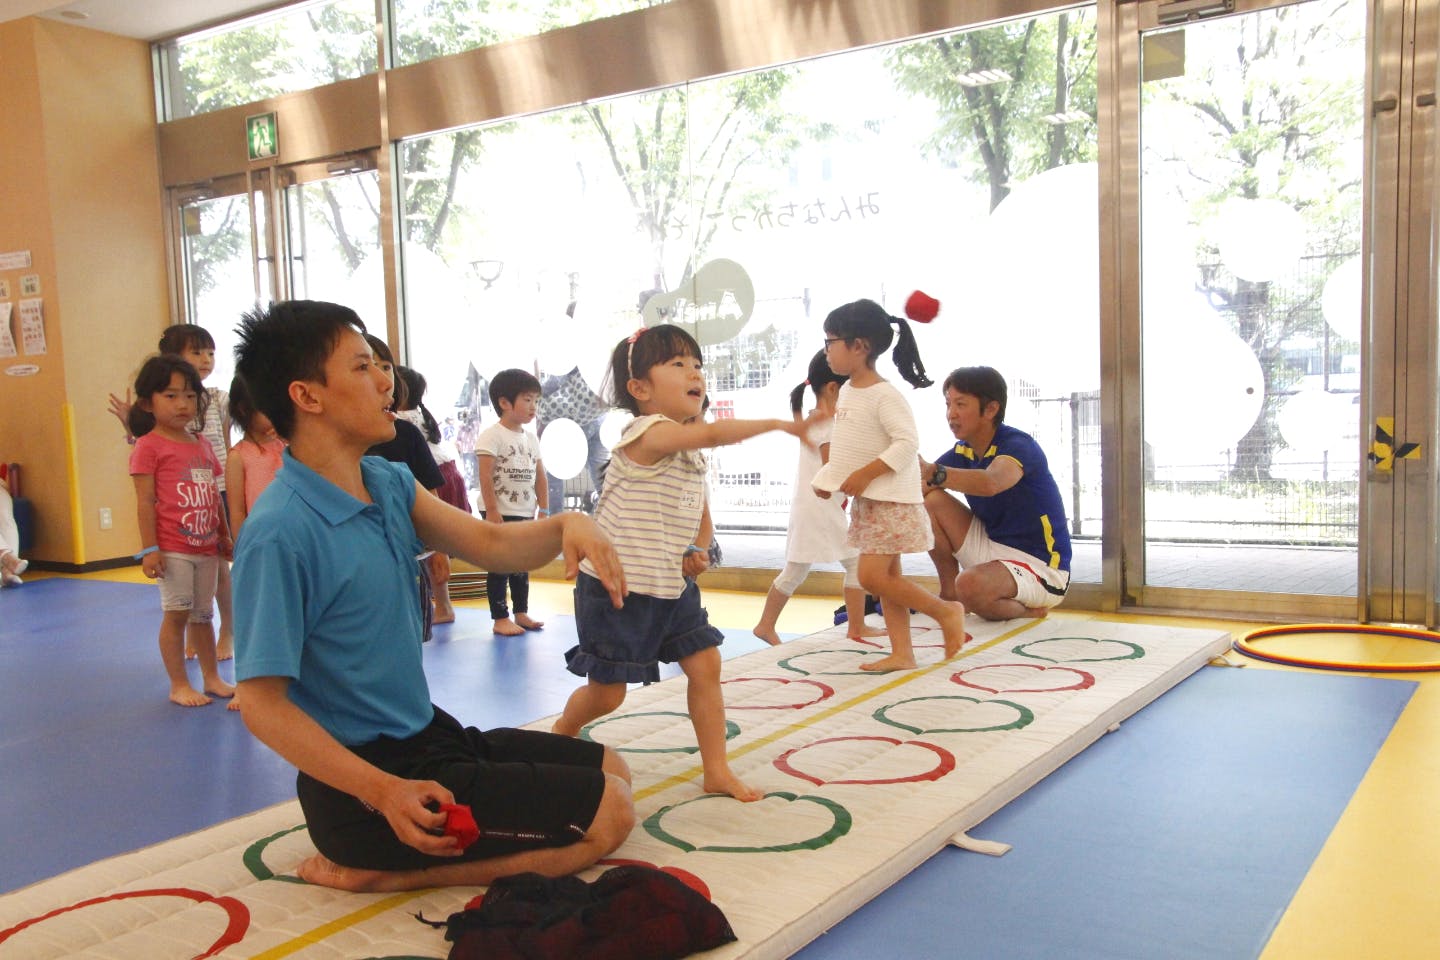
(937, 479)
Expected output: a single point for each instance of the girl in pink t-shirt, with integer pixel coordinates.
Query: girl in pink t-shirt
(183, 530)
(254, 461)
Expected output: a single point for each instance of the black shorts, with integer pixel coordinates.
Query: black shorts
(511, 780)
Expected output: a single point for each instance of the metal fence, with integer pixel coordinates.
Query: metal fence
(1317, 503)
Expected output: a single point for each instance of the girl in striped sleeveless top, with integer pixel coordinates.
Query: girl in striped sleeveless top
(654, 509)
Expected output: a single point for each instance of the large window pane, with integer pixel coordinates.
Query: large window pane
(296, 48)
(751, 206)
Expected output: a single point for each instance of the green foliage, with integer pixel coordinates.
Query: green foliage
(683, 154)
(998, 130)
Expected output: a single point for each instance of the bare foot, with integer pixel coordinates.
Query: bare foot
(225, 646)
(189, 652)
(529, 622)
(508, 628)
(188, 696)
(727, 782)
(864, 632)
(443, 614)
(234, 704)
(892, 662)
(324, 872)
(952, 621)
(219, 688)
(1039, 613)
(769, 636)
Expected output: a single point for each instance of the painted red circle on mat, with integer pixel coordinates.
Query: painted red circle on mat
(1087, 680)
(826, 692)
(945, 765)
(237, 912)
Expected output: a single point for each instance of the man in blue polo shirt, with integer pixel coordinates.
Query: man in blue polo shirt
(1005, 551)
(328, 640)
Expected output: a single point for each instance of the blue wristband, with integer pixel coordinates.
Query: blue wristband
(142, 553)
(694, 549)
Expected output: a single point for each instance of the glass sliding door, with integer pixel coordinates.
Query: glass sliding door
(1251, 177)
(223, 228)
(332, 236)
(1278, 308)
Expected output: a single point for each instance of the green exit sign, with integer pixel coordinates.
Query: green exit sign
(262, 136)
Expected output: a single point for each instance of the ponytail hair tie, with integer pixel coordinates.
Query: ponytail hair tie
(921, 307)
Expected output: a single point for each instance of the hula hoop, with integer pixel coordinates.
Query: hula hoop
(1244, 646)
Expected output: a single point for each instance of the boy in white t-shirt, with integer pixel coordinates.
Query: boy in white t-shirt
(512, 487)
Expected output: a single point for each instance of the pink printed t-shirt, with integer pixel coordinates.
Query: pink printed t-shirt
(187, 492)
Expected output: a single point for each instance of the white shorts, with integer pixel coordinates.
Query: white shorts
(189, 584)
(1037, 584)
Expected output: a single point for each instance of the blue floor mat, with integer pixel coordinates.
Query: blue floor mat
(1182, 835)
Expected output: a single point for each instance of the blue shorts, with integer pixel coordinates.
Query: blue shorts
(627, 645)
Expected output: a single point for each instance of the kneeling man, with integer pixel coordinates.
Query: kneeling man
(1005, 551)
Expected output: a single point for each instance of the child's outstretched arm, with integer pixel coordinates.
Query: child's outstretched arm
(520, 546)
(121, 410)
(670, 437)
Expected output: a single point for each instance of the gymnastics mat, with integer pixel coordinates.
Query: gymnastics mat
(866, 776)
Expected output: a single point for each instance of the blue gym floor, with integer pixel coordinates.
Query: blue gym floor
(1228, 784)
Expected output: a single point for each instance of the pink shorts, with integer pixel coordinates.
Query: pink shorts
(879, 526)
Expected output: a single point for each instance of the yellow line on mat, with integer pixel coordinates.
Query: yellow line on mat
(900, 680)
(335, 926)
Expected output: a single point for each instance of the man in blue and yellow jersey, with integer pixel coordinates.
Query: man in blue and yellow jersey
(1005, 551)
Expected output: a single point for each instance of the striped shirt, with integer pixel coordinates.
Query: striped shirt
(651, 513)
(214, 429)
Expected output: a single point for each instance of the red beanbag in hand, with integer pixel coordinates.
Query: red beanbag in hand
(460, 823)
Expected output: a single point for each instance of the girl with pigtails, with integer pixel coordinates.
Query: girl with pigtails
(874, 461)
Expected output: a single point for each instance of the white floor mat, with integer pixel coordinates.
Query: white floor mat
(866, 776)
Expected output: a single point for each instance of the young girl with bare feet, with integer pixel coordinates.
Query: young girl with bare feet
(183, 530)
(652, 507)
(874, 460)
(194, 344)
(513, 486)
(817, 525)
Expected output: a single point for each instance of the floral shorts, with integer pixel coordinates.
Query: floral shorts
(879, 526)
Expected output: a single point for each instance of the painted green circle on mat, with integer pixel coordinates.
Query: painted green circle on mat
(1024, 717)
(1133, 651)
(841, 822)
(732, 730)
(254, 857)
(788, 663)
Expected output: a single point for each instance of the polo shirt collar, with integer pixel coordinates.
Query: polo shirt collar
(334, 505)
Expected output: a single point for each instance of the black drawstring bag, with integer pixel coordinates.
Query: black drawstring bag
(627, 913)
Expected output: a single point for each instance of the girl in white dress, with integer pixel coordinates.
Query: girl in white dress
(817, 527)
